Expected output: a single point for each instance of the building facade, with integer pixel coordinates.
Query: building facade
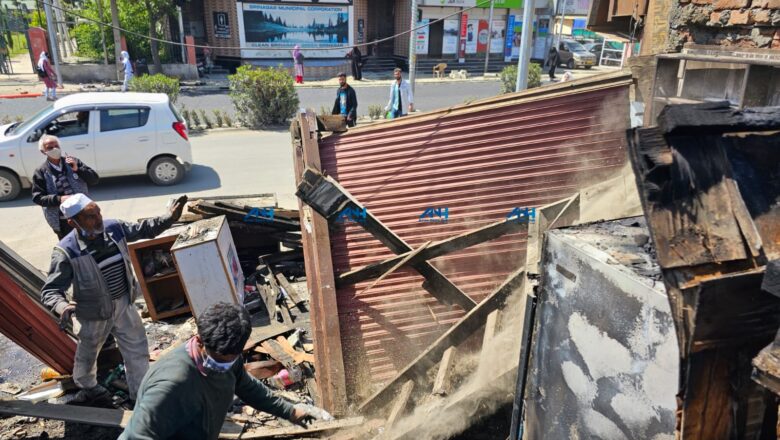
(267, 31)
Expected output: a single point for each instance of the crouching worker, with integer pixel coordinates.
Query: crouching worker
(94, 259)
(188, 392)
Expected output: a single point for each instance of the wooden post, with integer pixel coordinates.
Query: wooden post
(320, 282)
(442, 383)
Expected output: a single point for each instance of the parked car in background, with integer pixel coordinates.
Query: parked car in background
(117, 134)
(573, 54)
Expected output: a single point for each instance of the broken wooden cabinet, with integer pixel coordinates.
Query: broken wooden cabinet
(208, 264)
(158, 277)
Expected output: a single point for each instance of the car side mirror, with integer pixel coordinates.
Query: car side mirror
(35, 135)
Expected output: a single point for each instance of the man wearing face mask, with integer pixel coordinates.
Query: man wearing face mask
(187, 393)
(56, 180)
(94, 259)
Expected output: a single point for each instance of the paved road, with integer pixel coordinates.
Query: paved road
(228, 162)
(428, 97)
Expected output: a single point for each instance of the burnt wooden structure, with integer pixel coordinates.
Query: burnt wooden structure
(709, 182)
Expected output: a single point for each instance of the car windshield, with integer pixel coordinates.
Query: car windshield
(30, 121)
(576, 47)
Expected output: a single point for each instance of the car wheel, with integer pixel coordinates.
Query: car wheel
(10, 187)
(588, 67)
(166, 171)
(570, 64)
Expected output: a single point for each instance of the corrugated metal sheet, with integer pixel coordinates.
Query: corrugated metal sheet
(480, 162)
(25, 321)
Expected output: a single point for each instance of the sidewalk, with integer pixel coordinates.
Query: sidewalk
(25, 82)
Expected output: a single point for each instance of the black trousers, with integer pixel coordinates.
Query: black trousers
(552, 70)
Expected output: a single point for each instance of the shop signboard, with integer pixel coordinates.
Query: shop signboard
(221, 25)
(510, 38)
(514, 4)
(283, 26)
(482, 36)
(458, 3)
(497, 36)
(450, 38)
(421, 36)
(464, 20)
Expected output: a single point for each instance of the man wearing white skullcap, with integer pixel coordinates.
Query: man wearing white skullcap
(94, 259)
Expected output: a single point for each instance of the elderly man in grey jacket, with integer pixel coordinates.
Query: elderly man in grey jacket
(95, 260)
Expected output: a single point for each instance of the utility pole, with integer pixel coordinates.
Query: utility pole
(525, 46)
(52, 39)
(117, 36)
(413, 45)
(490, 37)
(102, 31)
(560, 26)
(181, 36)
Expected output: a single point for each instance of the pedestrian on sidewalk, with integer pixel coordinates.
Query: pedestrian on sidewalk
(553, 58)
(95, 261)
(207, 61)
(56, 180)
(346, 101)
(298, 62)
(401, 98)
(187, 393)
(48, 76)
(356, 59)
(127, 68)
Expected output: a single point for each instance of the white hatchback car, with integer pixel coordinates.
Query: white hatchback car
(116, 134)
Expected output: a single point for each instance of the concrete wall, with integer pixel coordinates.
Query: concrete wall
(84, 73)
(229, 6)
(727, 23)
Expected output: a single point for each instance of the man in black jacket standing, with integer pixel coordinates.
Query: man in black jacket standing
(346, 101)
(56, 180)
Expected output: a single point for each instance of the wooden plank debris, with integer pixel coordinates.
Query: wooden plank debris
(400, 403)
(459, 332)
(443, 384)
(109, 418)
(298, 356)
(328, 198)
(491, 328)
(296, 431)
(438, 249)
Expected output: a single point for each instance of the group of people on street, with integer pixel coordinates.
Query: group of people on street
(186, 393)
(49, 77)
(400, 102)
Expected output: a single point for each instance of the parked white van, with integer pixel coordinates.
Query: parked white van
(116, 134)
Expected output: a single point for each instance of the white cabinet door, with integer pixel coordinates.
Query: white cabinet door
(126, 140)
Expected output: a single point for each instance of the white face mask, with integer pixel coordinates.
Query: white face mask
(54, 153)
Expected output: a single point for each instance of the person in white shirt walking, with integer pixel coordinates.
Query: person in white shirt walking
(401, 100)
(127, 67)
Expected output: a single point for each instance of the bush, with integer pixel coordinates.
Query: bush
(228, 119)
(195, 119)
(509, 77)
(157, 83)
(374, 111)
(263, 97)
(206, 119)
(187, 115)
(218, 118)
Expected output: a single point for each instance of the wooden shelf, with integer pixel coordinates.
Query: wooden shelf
(162, 277)
(175, 312)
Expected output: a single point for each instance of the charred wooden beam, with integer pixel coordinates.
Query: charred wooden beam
(329, 199)
(455, 335)
(691, 119)
(444, 247)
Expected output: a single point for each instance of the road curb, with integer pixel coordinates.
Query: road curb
(22, 95)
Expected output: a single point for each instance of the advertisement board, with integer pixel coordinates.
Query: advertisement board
(421, 37)
(472, 33)
(450, 37)
(510, 38)
(464, 32)
(482, 36)
(497, 36)
(221, 25)
(280, 26)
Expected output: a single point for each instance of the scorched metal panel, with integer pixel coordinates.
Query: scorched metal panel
(479, 162)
